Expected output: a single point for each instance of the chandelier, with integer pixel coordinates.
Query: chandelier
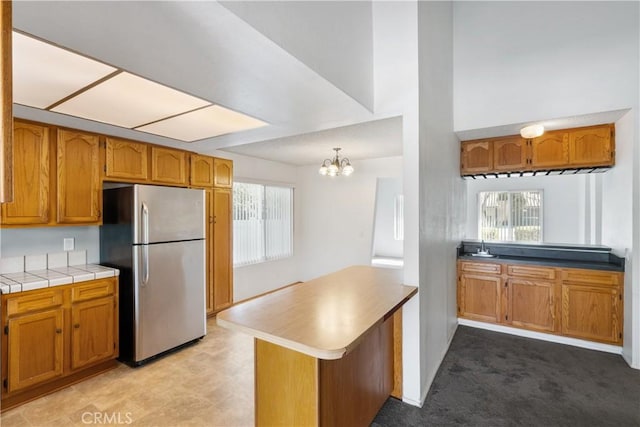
(336, 166)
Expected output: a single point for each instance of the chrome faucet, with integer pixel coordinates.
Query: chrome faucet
(482, 249)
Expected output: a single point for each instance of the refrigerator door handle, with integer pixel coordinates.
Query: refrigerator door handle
(145, 241)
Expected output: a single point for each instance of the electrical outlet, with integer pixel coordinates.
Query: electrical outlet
(69, 244)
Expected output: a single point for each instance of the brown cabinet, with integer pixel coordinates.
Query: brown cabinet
(479, 291)
(168, 166)
(592, 146)
(222, 173)
(209, 252)
(31, 176)
(587, 147)
(592, 305)
(476, 157)
(550, 150)
(55, 336)
(578, 303)
(222, 249)
(201, 171)
(35, 348)
(79, 189)
(126, 160)
(509, 153)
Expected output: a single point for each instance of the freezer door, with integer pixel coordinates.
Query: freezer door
(169, 287)
(167, 214)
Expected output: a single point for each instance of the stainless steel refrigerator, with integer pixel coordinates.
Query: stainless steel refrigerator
(156, 237)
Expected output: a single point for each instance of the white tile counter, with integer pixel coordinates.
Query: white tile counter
(21, 274)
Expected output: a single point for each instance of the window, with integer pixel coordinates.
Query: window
(510, 216)
(262, 222)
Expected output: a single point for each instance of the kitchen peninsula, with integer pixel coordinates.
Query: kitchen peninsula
(327, 350)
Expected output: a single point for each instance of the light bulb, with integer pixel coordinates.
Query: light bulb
(347, 170)
(333, 169)
(322, 170)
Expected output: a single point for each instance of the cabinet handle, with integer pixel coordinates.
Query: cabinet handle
(210, 220)
(77, 326)
(58, 331)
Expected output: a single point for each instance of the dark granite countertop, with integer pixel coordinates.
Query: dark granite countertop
(555, 255)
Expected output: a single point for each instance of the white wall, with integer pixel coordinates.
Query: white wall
(332, 38)
(251, 280)
(384, 242)
(525, 61)
(562, 204)
(336, 215)
(42, 240)
(442, 191)
(568, 58)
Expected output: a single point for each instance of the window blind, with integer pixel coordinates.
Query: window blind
(510, 216)
(262, 222)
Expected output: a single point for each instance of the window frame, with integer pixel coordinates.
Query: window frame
(264, 184)
(509, 206)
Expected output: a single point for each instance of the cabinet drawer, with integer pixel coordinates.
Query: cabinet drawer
(534, 272)
(93, 289)
(38, 300)
(592, 277)
(480, 267)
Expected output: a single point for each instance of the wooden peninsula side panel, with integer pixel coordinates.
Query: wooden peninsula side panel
(327, 350)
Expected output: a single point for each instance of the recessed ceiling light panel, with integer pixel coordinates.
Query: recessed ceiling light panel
(43, 74)
(204, 123)
(127, 100)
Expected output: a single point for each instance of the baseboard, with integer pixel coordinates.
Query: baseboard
(607, 348)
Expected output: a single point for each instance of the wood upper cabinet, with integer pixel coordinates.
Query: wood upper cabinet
(35, 348)
(550, 150)
(31, 176)
(92, 338)
(168, 166)
(476, 157)
(79, 197)
(222, 173)
(126, 160)
(509, 154)
(222, 249)
(201, 171)
(592, 146)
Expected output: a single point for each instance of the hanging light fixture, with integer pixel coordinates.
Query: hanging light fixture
(335, 166)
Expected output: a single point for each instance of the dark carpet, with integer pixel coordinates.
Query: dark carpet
(493, 379)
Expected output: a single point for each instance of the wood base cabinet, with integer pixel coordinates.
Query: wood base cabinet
(54, 337)
(222, 249)
(578, 303)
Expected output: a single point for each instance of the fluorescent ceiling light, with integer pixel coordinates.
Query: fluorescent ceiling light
(127, 100)
(204, 123)
(43, 74)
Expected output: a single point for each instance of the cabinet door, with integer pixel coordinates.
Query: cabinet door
(168, 166)
(92, 331)
(479, 297)
(30, 203)
(550, 150)
(476, 157)
(222, 173)
(79, 187)
(531, 304)
(209, 255)
(126, 160)
(509, 154)
(222, 249)
(35, 348)
(591, 312)
(592, 146)
(201, 170)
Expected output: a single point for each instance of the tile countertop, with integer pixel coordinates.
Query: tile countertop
(36, 279)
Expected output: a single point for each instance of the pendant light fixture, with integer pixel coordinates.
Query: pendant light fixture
(336, 166)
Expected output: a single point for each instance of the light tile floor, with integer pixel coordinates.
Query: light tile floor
(207, 384)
